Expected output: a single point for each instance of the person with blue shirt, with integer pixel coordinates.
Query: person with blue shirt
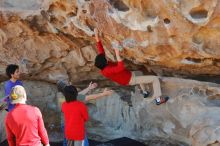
(12, 71)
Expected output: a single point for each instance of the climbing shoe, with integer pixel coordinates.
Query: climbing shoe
(161, 100)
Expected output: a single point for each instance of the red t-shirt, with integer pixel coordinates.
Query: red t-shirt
(25, 126)
(115, 71)
(75, 116)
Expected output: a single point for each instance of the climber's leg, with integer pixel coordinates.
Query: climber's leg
(142, 86)
(147, 79)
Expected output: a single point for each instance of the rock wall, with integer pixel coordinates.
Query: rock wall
(53, 39)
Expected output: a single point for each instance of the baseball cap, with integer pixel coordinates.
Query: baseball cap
(17, 94)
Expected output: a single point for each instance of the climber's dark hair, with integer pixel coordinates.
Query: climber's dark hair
(10, 69)
(70, 92)
(101, 61)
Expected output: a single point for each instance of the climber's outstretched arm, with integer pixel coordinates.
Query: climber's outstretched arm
(117, 53)
(106, 92)
(98, 41)
(90, 87)
(96, 35)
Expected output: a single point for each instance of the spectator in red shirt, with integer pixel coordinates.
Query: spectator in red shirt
(117, 72)
(75, 116)
(24, 123)
(81, 96)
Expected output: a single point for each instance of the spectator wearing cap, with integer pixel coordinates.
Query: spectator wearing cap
(24, 123)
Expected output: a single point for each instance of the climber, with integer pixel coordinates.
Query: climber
(12, 71)
(61, 85)
(119, 74)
